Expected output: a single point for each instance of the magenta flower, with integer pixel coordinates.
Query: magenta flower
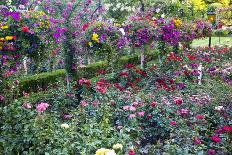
(197, 141)
(200, 117)
(40, 108)
(211, 151)
(173, 123)
(216, 139)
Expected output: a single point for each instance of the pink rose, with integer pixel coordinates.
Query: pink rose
(132, 116)
(173, 123)
(40, 108)
(200, 117)
(216, 139)
(27, 106)
(197, 141)
(211, 151)
(141, 113)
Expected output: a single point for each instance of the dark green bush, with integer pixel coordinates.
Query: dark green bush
(38, 82)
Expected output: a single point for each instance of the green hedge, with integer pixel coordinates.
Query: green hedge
(31, 84)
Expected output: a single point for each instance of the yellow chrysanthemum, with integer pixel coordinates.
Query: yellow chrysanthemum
(9, 37)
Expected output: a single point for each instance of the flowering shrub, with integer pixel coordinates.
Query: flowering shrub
(104, 40)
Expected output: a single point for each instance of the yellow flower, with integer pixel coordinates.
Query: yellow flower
(4, 27)
(103, 151)
(1, 48)
(117, 147)
(9, 37)
(177, 22)
(41, 13)
(95, 37)
(65, 126)
(1, 39)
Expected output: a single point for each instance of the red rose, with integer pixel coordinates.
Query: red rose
(25, 29)
(178, 100)
(153, 104)
(216, 139)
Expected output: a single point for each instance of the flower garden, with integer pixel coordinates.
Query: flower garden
(103, 77)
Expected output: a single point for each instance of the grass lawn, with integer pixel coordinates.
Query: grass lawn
(214, 41)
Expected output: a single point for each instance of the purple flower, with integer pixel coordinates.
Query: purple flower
(181, 86)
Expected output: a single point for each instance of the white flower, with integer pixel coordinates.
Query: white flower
(22, 7)
(122, 31)
(117, 147)
(219, 108)
(157, 10)
(118, 5)
(111, 152)
(162, 15)
(64, 125)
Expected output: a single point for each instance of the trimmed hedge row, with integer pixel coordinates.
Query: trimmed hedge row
(41, 81)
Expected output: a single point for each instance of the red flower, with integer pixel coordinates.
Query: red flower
(200, 117)
(216, 139)
(124, 74)
(227, 128)
(85, 26)
(153, 104)
(25, 29)
(178, 100)
(102, 71)
(173, 123)
(14, 37)
(191, 57)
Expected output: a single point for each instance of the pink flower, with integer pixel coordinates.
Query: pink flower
(178, 100)
(216, 139)
(141, 113)
(2, 98)
(197, 141)
(211, 151)
(95, 103)
(132, 116)
(27, 106)
(173, 123)
(200, 117)
(131, 152)
(42, 107)
(84, 103)
(130, 108)
(227, 128)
